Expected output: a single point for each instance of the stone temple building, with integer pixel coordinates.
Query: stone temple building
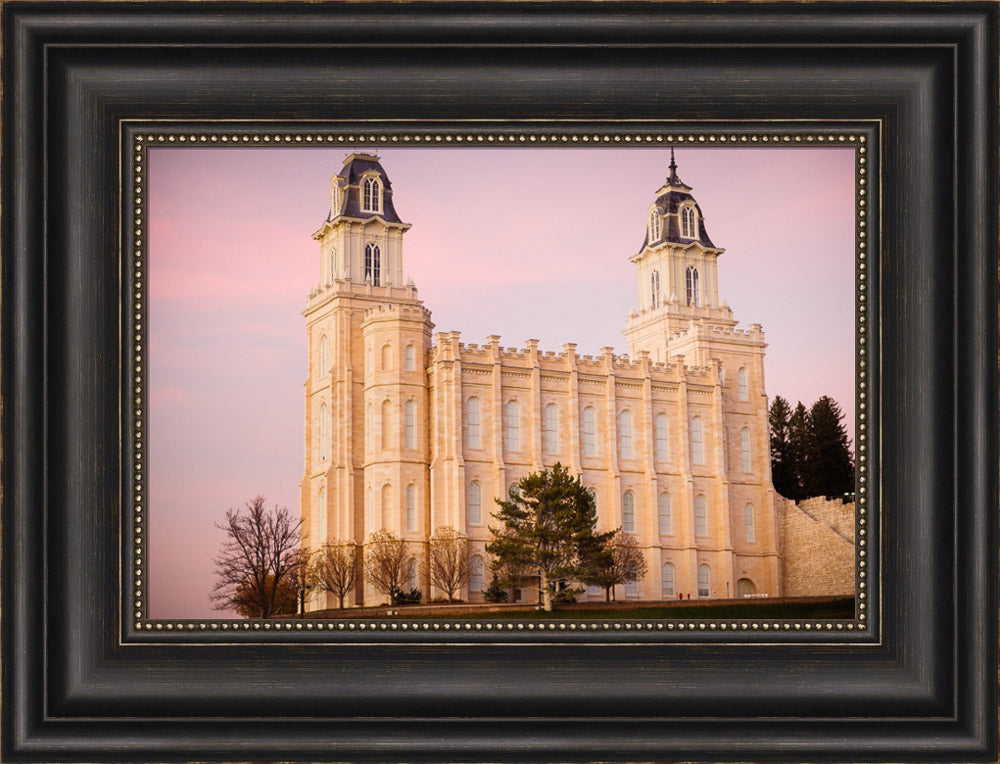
(408, 430)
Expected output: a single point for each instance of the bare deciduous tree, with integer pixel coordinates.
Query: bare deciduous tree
(619, 562)
(385, 562)
(260, 548)
(449, 564)
(302, 577)
(336, 569)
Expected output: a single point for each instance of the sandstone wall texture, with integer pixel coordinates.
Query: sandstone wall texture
(816, 538)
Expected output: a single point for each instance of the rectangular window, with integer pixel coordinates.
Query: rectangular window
(411, 424)
(662, 444)
(589, 431)
(472, 423)
(411, 508)
(625, 434)
(700, 516)
(513, 426)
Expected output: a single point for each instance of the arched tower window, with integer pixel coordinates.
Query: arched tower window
(323, 416)
(373, 264)
(687, 222)
(589, 431)
(551, 429)
(513, 426)
(387, 506)
(749, 529)
(662, 442)
(697, 441)
(411, 507)
(322, 355)
(476, 573)
(386, 425)
(410, 358)
(625, 434)
(663, 509)
(654, 289)
(411, 424)
(704, 580)
(628, 512)
(386, 357)
(370, 429)
(667, 580)
(691, 286)
(654, 225)
(472, 437)
(319, 521)
(372, 196)
(700, 515)
(474, 504)
(745, 449)
(741, 378)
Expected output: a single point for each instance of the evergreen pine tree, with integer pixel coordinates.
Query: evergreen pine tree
(799, 446)
(547, 527)
(830, 463)
(784, 469)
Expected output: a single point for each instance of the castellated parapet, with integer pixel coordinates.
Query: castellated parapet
(408, 430)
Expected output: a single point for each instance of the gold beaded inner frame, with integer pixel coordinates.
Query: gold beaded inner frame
(138, 137)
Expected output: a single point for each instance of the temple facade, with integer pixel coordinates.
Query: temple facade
(407, 430)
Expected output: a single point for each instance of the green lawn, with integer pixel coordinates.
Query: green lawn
(753, 609)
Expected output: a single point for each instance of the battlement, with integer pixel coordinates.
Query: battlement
(388, 310)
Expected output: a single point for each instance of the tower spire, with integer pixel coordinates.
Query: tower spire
(673, 180)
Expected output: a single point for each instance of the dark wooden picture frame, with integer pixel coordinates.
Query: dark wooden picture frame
(81, 683)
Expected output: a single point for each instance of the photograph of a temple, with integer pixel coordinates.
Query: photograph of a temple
(408, 430)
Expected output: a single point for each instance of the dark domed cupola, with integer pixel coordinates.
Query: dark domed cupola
(362, 190)
(675, 217)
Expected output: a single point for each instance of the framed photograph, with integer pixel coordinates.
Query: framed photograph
(404, 269)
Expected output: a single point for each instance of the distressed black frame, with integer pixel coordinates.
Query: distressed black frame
(78, 684)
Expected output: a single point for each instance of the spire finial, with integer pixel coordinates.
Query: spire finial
(673, 179)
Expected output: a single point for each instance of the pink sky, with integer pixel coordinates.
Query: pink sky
(524, 243)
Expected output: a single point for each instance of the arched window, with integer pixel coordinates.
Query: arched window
(625, 434)
(369, 360)
(387, 506)
(667, 580)
(700, 515)
(411, 574)
(411, 424)
(474, 504)
(663, 509)
(370, 429)
(589, 431)
(745, 449)
(551, 429)
(687, 222)
(410, 358)
(628, 512)
(386, 425)
(322, 355)
(632, 588)
(319, 520)
(697, 441)
(333, 264)
(691, 284)
(654, 289)
(372, 197)
(654, 225)
(373, 264)
(472, 438)
(513, 426)
(476, 574)
(748, 524)
(387, 357)
(704, 580)
(411, 507)
(742, 381)
(323, 416)
(662, 444)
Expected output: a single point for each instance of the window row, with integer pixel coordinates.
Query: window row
(667, 581)
(385, 358)
(386, 440)
(588, 431)
(385, 506)
(665, 518)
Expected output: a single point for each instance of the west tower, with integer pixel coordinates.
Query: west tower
(365, 390)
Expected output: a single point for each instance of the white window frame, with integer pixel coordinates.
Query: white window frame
(661, 428)
(692, 286)
(689, 222)
(625, 434)
(628, 512)
(697, 440)
(373, 263)
(371, 193)
(654, 289)
(589, 431)
(666, 521)
(512, 417)
(700, 516)
(745, 463)
(550, 428)
(410, 410)
(411, 507)
(474, 503)
(654, 225)
(704, 581)
(668, 574)
(473, 433)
